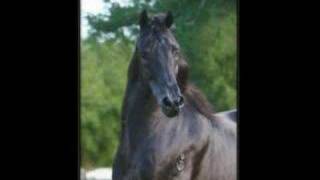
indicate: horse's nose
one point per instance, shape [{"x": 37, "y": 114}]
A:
[{"x": 176, "y": 103}]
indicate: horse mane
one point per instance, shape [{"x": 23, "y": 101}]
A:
[
  {"x": 192, "y": 94},
  {"x": 133, "y": 71}
]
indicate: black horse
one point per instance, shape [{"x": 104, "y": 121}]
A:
[{"x": 169, "y": 131}]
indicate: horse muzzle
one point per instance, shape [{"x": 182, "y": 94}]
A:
[{"x": 172, "y": 107}]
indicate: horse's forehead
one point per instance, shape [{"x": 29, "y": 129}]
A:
[
  {"x": 155, "y": 37},
  {"x": 158, "y": 19},
  {"x": 162, "y": 38}
]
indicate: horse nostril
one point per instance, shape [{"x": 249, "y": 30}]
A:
[
  {"x": 179, "y": 102},
  {"x": 166, "y": 102}
]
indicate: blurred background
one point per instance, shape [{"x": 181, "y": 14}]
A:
[{"x": 206, "y": 31}]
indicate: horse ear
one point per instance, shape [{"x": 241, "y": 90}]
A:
[
  {"x": 143, "y": 21},
  {"x": 169, "y": 19}
]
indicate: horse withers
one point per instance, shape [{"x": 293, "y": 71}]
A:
[{"x": 230, "y": 115}]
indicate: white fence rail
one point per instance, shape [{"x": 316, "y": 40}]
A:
[{"x": 97, "y": 174}]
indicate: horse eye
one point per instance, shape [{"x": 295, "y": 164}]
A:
[{"x": 175, "y": 50}]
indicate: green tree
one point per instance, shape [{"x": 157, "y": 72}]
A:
[{"x": 103, "y": 69}]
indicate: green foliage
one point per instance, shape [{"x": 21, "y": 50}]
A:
[
  {"x": 206, "y": 32},
  {"x": 103, "y": 72},
  {"x": 212, "y": 57}
]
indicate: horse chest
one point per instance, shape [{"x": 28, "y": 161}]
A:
[
  {"x": 162, "y": 148},
  {"x": 153, "y": 164},
  {"x": 159, "y": 157}
]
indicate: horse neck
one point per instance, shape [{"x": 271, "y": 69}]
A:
[
  {"x": 138, "y": 96},
  {"x": 138, "y": 107}
]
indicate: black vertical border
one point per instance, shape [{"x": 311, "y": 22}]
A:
[{"x": 79, "y": 90}]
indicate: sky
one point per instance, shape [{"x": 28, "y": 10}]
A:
[
  {"x": 95, "y": 7},
  {"x": 92, "y": 7}
]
